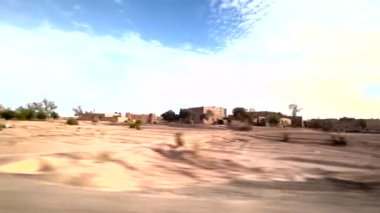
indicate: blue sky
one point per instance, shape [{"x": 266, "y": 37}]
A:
[{"x": 150, "y": 56}]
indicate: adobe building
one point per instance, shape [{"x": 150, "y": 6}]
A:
[
  {"x": 260, "y": 118},
  {"x": 372, "y": 125},
  {"x": 145, "y": 118},
  {"x": 345, "y": 124},
  {"x": 213, "y": 114},
  {"x": 88, "y": 116}
]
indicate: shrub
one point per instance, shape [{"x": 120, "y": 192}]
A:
[
  {"x": 179, "y": 140},
  {"x": 25, "y": 114},
  {"x": 72, "y": 121},
  {"x": 338, "y": 140},
  {"x": 136, "y": 125},
  {"x": 274, "y": 120},
  {"x": 245, "y": 127},
  {"x": 132, "y": 125},
  {"x": 240, "y": 126},
  {"x": 285, "y": 137},
  {"x": 45, "y": 166},
  {"x": 8, "y": 114},
  {"x": 41, "y": 115},
  {"x": 54, "y": 115},
  {"x": 95, "y": 120},
  {"x": 2, "y": 126}
]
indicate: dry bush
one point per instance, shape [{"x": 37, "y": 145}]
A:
[
  {"x": 179, "y": 140},
  {"x": 95, "y": 121},
  {"x": 245, "y": 127},
  {"x": 285, "y": 137},
  {"x": 45, "y": 166},
  {"x": 240, "y": 126},
  {"x": 80, "y": 180},
  {"x": 2, "y": 126},
  {"x": 72, "y": 121},
  {"x": 136, "y": 125},
  {"x": 338, "y": 140},
  {"x": 104, "y": 156}
]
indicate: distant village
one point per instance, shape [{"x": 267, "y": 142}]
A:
[{"x": 212, "y": 115}]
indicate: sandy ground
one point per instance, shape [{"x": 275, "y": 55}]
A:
[{"x": 107, "y": 158}]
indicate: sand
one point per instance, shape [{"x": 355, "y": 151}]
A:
[{"x": 116, "y": 158}]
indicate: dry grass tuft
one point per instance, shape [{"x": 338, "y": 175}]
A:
[
  {"x": 179, "y": 141},
  {"x": 104, "y": 156},
  {"x": 45, "y": 166},
  {"x": 285, "y": 137},
  {"x": 338, "y": 140},
  {"x": 240, "y": 126}
]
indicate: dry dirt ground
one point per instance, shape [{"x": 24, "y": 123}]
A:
[{"x": 215, "y": 163}]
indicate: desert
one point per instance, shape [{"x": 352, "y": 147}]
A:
[{"x": 107, "y": 158}]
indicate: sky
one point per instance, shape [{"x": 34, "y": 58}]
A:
[{"x": 144, "y": 56}]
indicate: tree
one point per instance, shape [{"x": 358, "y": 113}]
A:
[
  {"x": 37, "y": 106},
  {"x": 240, "y": 113},
  {"x": 48, "y": 106},
  {"x": 274, "y": 119},
  {"x": 169, "y": 116},
  {"x": 78, "y": 111},
  {"x": 8, "y": 114},
  {"x": 45, "y": 106},
  {"x": 41, "y": 115},
  {"x": 294, "y": 108},
  {"x": 54, "y": 115}
]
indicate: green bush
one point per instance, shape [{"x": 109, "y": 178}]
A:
[
  {"x": 8, "y": 114},
  {"x": 41, "y": 115},
  {"x": 72, "y": 121},
  {"x": 54, "y": 115},
  {"x": 25, "y": 114}
]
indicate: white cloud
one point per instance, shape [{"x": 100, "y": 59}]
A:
[
  {"x": 119, "y": 1},
  {"x": 234, "y": 19}
]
